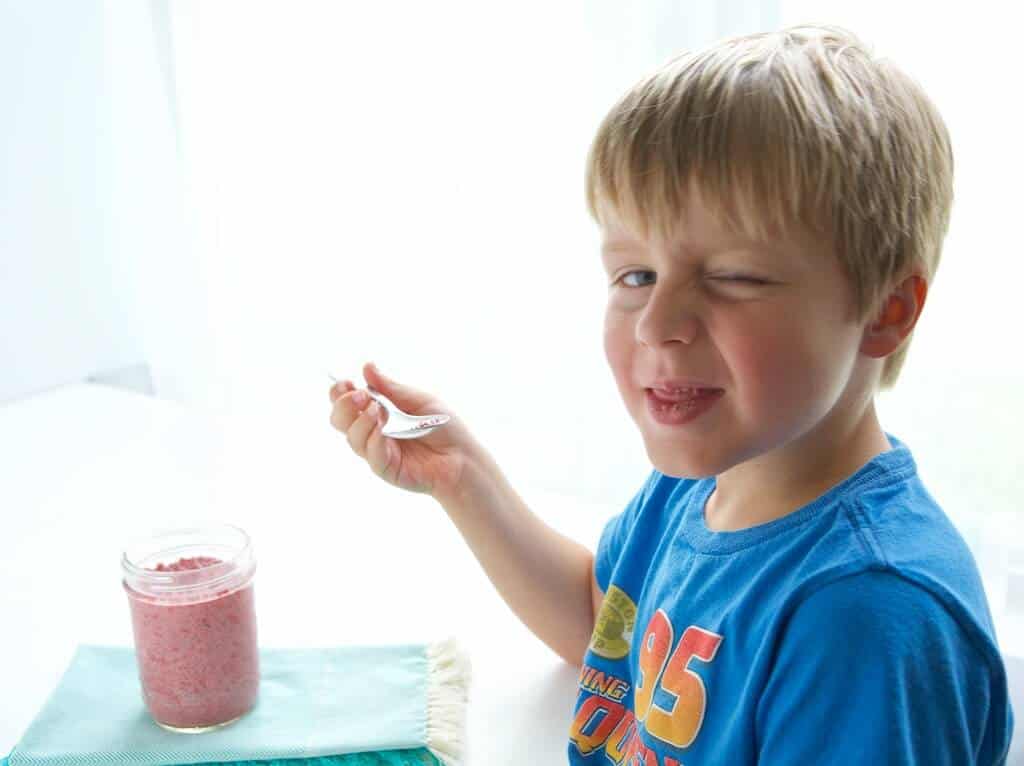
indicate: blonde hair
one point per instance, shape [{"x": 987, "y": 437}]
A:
[{"x": 802, "y": 127}]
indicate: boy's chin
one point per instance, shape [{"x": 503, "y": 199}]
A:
[
  {"x": 680, "y": 467},
  {"x": 675, "y": 473}
]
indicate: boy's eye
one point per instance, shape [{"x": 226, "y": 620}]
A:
[
  {"x": 624, "y": 278},
  {"x": 739, "y": 278},
  {"x": 736, "y": 278}
]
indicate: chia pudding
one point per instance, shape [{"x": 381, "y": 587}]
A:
[{"x": 194, "y": 622}]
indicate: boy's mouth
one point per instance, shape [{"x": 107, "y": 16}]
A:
[
  {"x": 677, "y": 394},
  {"x": 679, "y": 406}
]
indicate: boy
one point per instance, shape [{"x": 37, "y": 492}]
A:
[{"x": 782, "y": 589}]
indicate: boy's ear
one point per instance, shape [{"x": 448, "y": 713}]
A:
[{"x": 897, "y": 318}]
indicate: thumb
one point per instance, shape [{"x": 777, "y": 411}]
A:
[{"x": 405, "y": 397}]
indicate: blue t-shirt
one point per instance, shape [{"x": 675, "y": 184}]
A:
[{"x": 854, "y": 630}]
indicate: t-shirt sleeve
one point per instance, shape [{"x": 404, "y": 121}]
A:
[
  {"x": 873, "y": 669},
  {"x": 613, "y": 538}
]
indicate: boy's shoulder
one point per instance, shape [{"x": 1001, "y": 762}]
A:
[
  {"x": 881, "y": 519},
  {"x": 891, "y": 523}
]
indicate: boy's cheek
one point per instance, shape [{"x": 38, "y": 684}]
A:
[
  {"x": 777, "y": 377},
  {"x": 616, "y": 325},
  {"x": 619, "y": 352}
]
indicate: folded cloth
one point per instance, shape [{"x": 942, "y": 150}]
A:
[{"x": 398, "y": 705}]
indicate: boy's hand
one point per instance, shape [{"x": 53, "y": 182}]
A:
[{"x": 434, "y": 464}]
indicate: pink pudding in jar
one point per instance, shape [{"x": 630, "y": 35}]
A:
[{"x": 194, "y": 621}]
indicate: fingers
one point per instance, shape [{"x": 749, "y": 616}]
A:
[
  {"x": 360, "y": 419},
  {"x": 340, "y": 388},
  {"x": 348, "y": 406},
  {"x": 379, "y": 449},
  {"x": 370, "y": 368},
  {"x": 359, "y": 432},
  {"x": 405, "y": 397}
]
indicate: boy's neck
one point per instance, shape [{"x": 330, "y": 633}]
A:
[{"x": 781, "y": 482}]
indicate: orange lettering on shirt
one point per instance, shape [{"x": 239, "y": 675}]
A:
[
  {"x": 607, "y": 715},
  {"x": 620, "y": 736}
]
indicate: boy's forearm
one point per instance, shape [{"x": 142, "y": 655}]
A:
[{"x": 542, "y": 575}]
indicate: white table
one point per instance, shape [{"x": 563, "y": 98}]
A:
[{"x": 343, "y": 557}]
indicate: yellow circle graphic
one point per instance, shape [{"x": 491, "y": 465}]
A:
[{"x": 613, "y": 629}]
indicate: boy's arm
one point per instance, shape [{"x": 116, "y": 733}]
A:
[
  {"x": 596, "y": 594},
  {"x": 872, "y": 668},
  {"x": 544, "y": 577}
]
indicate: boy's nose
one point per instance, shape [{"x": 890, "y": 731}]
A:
[{"x": 657, "y": 327}]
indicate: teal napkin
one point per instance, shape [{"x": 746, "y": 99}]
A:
[{"x": 344, "y": 706}]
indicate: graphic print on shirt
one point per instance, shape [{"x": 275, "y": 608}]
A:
[
  {"x": 605, "y": 722},
  {"x": 613, "y": 629}
]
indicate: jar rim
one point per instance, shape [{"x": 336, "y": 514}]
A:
[{"x": 163, "y": 582}]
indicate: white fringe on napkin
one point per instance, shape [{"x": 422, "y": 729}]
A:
[{"x": 448, "y": 673}]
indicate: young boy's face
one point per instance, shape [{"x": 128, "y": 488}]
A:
[{"x": 771, "y": 326}]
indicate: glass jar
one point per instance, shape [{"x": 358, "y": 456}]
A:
[{"x": 190, "y": 592}]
